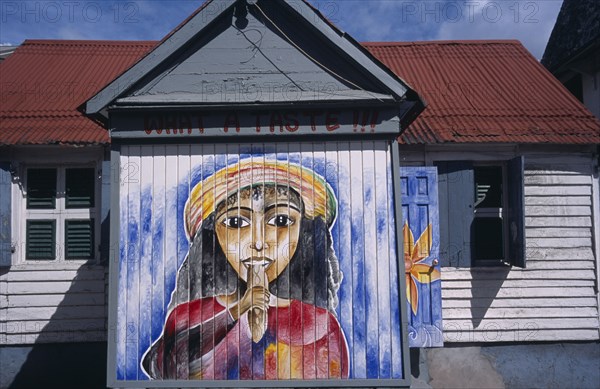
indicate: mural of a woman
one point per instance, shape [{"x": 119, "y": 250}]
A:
[{"x": 256, "y": 296}]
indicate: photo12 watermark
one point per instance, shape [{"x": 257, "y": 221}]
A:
[
  {"x": 69, "y": 11},
  {"x": 469, "y": 11}
]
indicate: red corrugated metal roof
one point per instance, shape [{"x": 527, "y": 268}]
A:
[
  {"x": 477, "y": 91},
  {"x": 486, "y": 91},
  {"x": 44, "y": 82}
]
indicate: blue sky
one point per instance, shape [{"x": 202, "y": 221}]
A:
[{"x": 530, "y": 22}]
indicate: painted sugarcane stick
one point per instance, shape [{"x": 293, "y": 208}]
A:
[{"x": 257, "y": 317}]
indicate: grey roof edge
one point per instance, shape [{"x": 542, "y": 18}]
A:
[
  {"x": 357, "y": 52},
  {"x": 274, "y": 98},
  {"x": 96, "y": 106},
  {"x": 155, "y": 57}
]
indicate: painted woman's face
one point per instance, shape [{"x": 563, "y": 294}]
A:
[{"x": 259, "y": 227}]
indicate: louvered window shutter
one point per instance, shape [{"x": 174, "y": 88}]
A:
[
  {"x": 41, "y": 188},
  {"x": 516, "y": 212},
  {"x": 457, "y": 198},
  {"x": 80, "y": 188},
  {"x": 79, "y": 239},
  {"x": 41, "y": 239}
]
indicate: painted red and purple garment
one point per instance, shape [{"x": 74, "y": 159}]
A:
[{"x": 202, "y": 341}]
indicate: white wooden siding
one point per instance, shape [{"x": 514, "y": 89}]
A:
[
  {"x": 554, "y": 299},
  {"x": 49, "y": 303}
]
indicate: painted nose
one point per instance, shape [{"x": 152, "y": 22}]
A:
[{"x": 259, "y": 243}]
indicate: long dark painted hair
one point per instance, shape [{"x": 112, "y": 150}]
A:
[{"x": 312, "y": 276}]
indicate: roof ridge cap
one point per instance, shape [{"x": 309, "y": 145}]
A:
[
  {"x": 87, "y": 42},
  {"x": 445, "y": 42}
]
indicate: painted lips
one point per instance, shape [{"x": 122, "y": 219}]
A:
[{"x": 257, "y": 261}]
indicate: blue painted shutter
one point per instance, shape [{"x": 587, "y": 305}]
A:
[
  {"x": 457, "y": 198},
  {"x": 516, "y": 212},
  {"x": 420, "y": 215},
  {"x": 5, "y": 211}
]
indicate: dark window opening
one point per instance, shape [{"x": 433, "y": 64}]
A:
[
  {"x": 41, "y": 188},
  {"x": 488, "y": 239},
  {"x": 478, "y": 203},
  {"x": 488, "y": 187},
  {"x": 575, "y": 86},
  {"x": 79, "y": 188}
]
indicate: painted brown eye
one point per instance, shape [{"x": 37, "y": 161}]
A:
[
  {"x": 281, "y": 221},
  {"x": 236, "y": 222}
]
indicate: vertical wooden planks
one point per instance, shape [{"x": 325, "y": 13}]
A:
[
  {"x": 421, "y": 222},
  {"x": 370, "y": 259},
  {"x": 158, "y": 190},
  {"x": 384, "y": 257},
  {"x": 362, "y": 237},
  {"x": 132, "y": 226},
  {"x": 146, "y": 238}
]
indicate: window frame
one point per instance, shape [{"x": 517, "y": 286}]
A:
[
  {"x": 503, "y": 212},
  {"x": 60, "y": 213},
  {"x": 457, "y": 249}
]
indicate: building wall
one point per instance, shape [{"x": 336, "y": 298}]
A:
[
  {"x": 72, "y": 365},
  {"x": 540, "y": 365},
  {"x": 555, "y": 297},
  {"x": 591, "y": 92},
  {"x": 51, "y": 301},
  {"x": 49, "y": 304}
]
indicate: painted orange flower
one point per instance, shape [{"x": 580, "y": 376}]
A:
[{"x": 416, "y": 271}]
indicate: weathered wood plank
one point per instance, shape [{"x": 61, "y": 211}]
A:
[
  {"x": 559, "y": 243},
  {"x": 517, "y": 293},
  {"x": 535, "y": 283},
  {"x": 47, "y": 313},
  {"x": 56, "y": 337},
  {"x": 527, "y": 274},
  {"x": 520, "y": 313},
  {"x": 61, "y": 275},
  {"x": 552, "y": 232},
  {"x": 558, "y": 210},
  {"x": 558, "y": 179},
  {"x": 558, "y": 200},
  {"x": 55, "y": 287},
  {"x": 516, "y": 334},
  {"x": 545, "y": 264},
  {"x": 550, "y": 254},
  {"x": 566, "y": 162},
  {"x": 50, "y": 266},
  {"x": 573, "y": 301},
  {"x": 532, "y": 264},
  {"x": 551, "y": 170},
  {"x": 55, "y": 300},
  {"x": 37, "y": 326},
  {"x": 576, "y": 221},
  {"x": 531, "y": 190},
  {"x": 505, "y": 324}
]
